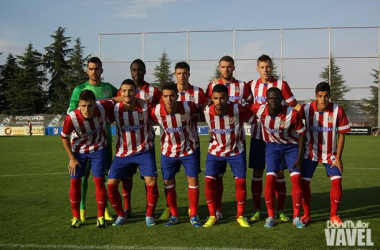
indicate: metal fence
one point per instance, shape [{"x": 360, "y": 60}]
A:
[{"x": 300, "y": 54}]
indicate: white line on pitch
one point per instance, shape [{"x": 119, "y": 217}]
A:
[
  {"x": 112, "y": 247},
  {"x": 19, "y": 175}
]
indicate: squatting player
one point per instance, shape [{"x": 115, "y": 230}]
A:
[
  {"x": 178, "y": 147},
  {"x": 102, "y": 91},
  {"x": 238, "y": 91},
  {"x": 88, "y": 143},
  {"x": 257, "y": 148},
  {"x": 134, "y": 145},
  {"x": 190, "y": 93},
  {"x": 284, "y": 134},
  {"x": 225, "y": 120},
  {"x": 151, "y": 95},
  {"x": 326, "y": 124}
]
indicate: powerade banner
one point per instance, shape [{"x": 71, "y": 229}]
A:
[
  {"x": 46, "y": 120},
  {"x": 360, "y": 131}
]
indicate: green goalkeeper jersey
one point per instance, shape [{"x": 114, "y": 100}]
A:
[{"x": 103, "y": 91}]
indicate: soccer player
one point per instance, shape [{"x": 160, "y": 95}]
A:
[
  {"x": 225, "y": 120},
  {"x": 151, "y": 95},
  {"x": 238, "y": 91},
  {"x": 284, "y": 134},
  {"x": 257, "y": 148},
  {"x": 102, "y": 91},
  {"x": 88, "y": 143},
  {"x": 190, "y": 93},
  {"x": 326, "y": 124},
  {"x": 178, "y": 147},
  {"x": 134, "y": 146}
]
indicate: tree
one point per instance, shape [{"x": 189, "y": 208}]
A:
[
  {"x": 338, "y": 88},
  {"x": 77, "y": 73},
  {"x": 57, "y": 65},
  {"x": 8, "y": 76},
  {"x": 162, "y": 71},
  {"x": 371, "y": 105},
  {"x": 216, "y": 74},
  {"x": 25, "y": 94}
]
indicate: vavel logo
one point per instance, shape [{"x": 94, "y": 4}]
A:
[{"x": 348, "y": 234}]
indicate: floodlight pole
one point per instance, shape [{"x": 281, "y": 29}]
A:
[
  {"x": 143, "y": 46},
  {"x": 188, "y": 47},
  {"x": 100, "y": 46},
  {"x": 282, "y": 54},
  {"x": 330, "y": 56}
]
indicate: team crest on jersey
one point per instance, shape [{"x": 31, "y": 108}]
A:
[
  {"x": 282, "y": 124},
  {"x": 330, "y": 119},
  {"x": 237, "y": 89},
  {"x": 191, "y": 98},
  {"x": 140, "y": 116},
  {"x": 232, "y": 120},
  {"x": 183, "y": 118},
  {"x": 106, "y": 92},
  {"x": 146, "y": 96}
]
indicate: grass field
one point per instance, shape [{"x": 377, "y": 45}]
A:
[{"x": 34, "y": 186}]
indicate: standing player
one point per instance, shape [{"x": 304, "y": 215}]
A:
[
  {"x": 151, "y": 95},
  {"x": 284, "y": 134},
  {"x": 102, "y": 91},
  {"x": 225, "y": 120},
  {"x": 238, "y": 91},
  {"x": 257, "y": 148},
  {"x": 326, "y": 125},
  {"x": 88, "y": 143},
  {"x": 190, "y": 93},
  {"x": 134, "y": 146},
  {"x": 178, "y": 147},
  {"x": 30, "y": 126}
]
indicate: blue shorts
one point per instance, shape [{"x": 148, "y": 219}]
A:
[
  {"x": 123, "y": 167},
  {"x": 238, "y": 163},
  {"x": 257, "y": 154},
  {"x": 171, "y": 165},
  {"x": 98, "y": 162},
  {"x": 277, "y": 155},
  {"x": 309, "y": 167}
]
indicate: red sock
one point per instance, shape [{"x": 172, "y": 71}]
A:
[
  {"x": 306, "y": 196},
  {"x": 127, "y": 185},
  {"x": 241, "y": 195},
  {"x": 335, "y": 195},
  {"x": 296, "y": 194},
  {"x": 280, "y": 193},
  {"x": 171, "y": 199},
  {"x": 219, "y": 188},
  {"x": 193, "y": 194},
  {"x": 115, "y": 199},
  {"x": 151, "y": 199},
  {"x": 270, "y": 185},
  {"x": 257, "y": 189},
  {"x": 75, "y": 196},
  {"x": 210, "y": 187},
  {"x": 101, "y": 195}
]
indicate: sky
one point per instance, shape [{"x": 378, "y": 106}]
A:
[{"x": 23, "y": 22}]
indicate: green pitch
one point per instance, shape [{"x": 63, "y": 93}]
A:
[{"x": 35, "y": 209}]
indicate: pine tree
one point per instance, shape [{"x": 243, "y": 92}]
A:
[
  {"x": 26, "y": 95},
  {"x": 216, "y": 74},
  {"x": 371, "y": 105},
  {"x": 162, "y": 71},
  {"x": 338, "y": 88},
  {"x": 8, "y": 77},
  {"x": 57, "y": 65},
  {"x": 77, "y": 72}
]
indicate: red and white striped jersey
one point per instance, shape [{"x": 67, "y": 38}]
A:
[
  {"x": 133, "y": 129},
  {"x": 227, "y": 134},
  {"x": 176, "y": 137},
  {"x": 259, "y": 91},
  {"x": 90, "y": 135},
  {"x": 193, "y": 94},
  {"x": 148, "y": 93},
  {"x": 196, "y": 95},
  {"x": 283, "y": 128},
  {"x": 322, "y": 131},
  {"x": 237, "y": 91}
]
